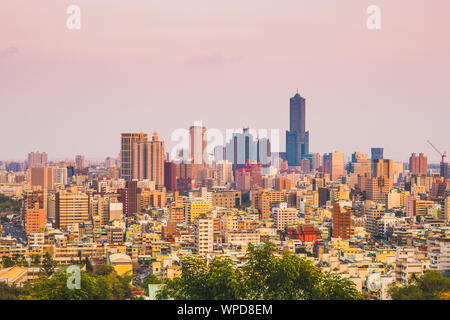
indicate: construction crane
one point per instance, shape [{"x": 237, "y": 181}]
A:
[{"x": 443, "y": 155}]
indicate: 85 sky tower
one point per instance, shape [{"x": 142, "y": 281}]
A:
[{"x": 297, "y": 139}]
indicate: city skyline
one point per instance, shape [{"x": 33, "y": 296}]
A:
[{"x": 363, "y": 88}]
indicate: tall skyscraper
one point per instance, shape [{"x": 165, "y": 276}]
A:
[
  {"x": 131, "y": 155},
  {"x": 37, "y": 159},
  {"x": 336, "y": 165},
  {"x": 155, "y": 161},
  {"x": 197, "y": 144},
  {"x": 142, "y": 159},
  {"x": 377, "y": 153},
  {"x": 418, "y": 164},
  {"x": 41, "y": 177},
  {"x": 80, "y": 162},
  {"x": 297, "y": 139}
]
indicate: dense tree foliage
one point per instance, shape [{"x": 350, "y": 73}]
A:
[
  {"x": 9, "y": 204},
  {"x": 96, "y": 286},
  {"x": 265, "y": 276},
  {"x": 432, "y": 285}
]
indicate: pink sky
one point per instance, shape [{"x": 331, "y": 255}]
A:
[{"x": 161, "y": 65}]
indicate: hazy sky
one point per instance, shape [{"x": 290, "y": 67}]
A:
[{"x": 145, "y": 65}]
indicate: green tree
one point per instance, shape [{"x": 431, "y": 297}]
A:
[
  {"x": 19, "y": 260},
  {"x": 7, "y": 262},
  {"x": 92, "y": 287},
  {"x": 265, "y": 276},
  {"x": 48, "y": 265},
  {"x": 432, "y": 285}
]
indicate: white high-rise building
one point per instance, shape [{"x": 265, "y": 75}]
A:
[
  {"x": 203, "y": 235},
  {"x": 60, "y": 176}
]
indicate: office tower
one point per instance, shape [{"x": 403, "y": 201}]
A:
[
  {"x": 204, "y": 235},
  {"x": 142, "y": 159},
  {"x": 132, "y": 156},
  {"x": 37, "y": 159},
  {"x": 197, "y": 144},
  {"x": 70, "y": 171},
  {"x": 223, "y": 172},
  {"x": 60, "y": 176},
  {"x": 382, "y": 168},
  {"x": 336, "y": 165},
  {"x": 41, "y": 177},
  {"x": 361, "y": 164},
  {"x": 284, "y": 216},
  {"x": 155, "y": 161},
  {"x": 72, "y": 208},
  {"x": 263, "y": 153},
  {"x": 317, "y": 160},
  {"x": 341, "y": 223},
  {"x": 377, "y": 153},
  {"x": 241, "y": 149},
  {"x": 418, "y": 165},
  {"x": 80, "y": 162},
  {"x": 297, "y": 139},
  {"x": 219, "y": 154},
  {"x": 170, "y": 176}
]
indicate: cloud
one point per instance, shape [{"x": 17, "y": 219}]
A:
[
  {"x": 210, "y": 60},
  {"x": 6, "y": 53}
]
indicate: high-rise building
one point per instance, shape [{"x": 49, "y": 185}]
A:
[
  {"x": 341, "y": 223},
  {"x": 197, "y": 144},
  {"x": 297, "y": 139},
  {"x": 41, "y": 177},
  {"x": 336, "y": 165},
  {"x": 60, "y": 176},
  {"x": 382, "y": 168},
  {"x": 72, "y": 207},
  {"x": 142, "y": 159},
  {"x": 80, "y": 162},
  {"x": 35, "y": 219},
  {"x": 37, "y": 159},
  {"x": 170, "y": 176},
  {"x": 444, "y": 170},
  {"x": 132, "y": 156},
  {"x": 203, "y": 235},
  {"x": 418, "y": 164},
  {"x": 155, "y": 161},
  {"x": 377, "y": 153}
]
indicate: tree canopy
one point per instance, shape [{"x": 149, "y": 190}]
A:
[
  {"x": 265, "y": 276},
  {"x": 432, "y": 285}
]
